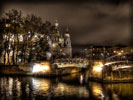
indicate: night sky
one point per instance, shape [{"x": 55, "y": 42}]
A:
[{"x": 96, "y": 23}]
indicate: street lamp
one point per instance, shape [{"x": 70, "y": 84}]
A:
[{"x": 8, "y": 25}]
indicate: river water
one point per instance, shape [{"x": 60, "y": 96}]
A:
[{"x": 72, "y": 87}]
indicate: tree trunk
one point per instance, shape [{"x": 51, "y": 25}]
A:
[
  {"x": 8, "y": 56},
  {"x": 13, "y": 57},
  {"x": 5, "y": 57}
]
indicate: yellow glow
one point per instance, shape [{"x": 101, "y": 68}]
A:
[
  {"x": 122, "y": 51},
  {"x": 119, "y": 53},
  {"x": 74, "y": 71},
  {"x": 41, "y": 85},
  {"x": 40, "y": 68},
  {"x": 97, "y": 90},
  {"x": 8, "y": 25},
  {"x": 54, "y": 45},
  {"x": 98, "y": 67}
]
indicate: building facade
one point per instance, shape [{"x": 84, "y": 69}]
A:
[{"x": 60, "y": 44}]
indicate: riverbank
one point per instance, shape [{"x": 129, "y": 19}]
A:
[{"x": 28, "y": 70}]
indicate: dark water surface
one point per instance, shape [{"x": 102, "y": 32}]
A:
[{"x": 71, "y": 87}]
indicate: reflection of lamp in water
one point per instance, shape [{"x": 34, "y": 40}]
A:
[
  {"x": 81, "y": 79},
  {"x": 41, "y": 85},
  {"x": 97, "y": 91}
]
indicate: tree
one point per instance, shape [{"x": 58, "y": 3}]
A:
[
  {"x": 24, "y": 37},
  {"x": 15, "y": 20},
  {"x": 2, "y": 23}
]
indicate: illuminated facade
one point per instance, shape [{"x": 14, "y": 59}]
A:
[{"x": 60, "y": 44}]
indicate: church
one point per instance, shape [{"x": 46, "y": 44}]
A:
[{"x": 60, "y": 44}]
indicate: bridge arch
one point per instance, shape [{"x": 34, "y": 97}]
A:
[{"x": 120, "y": 55}]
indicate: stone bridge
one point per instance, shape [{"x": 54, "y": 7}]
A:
[
  {"x": 121, "y": 56},
  {"x": 124, "y": 58},
  {"x": 116, "y": 68},
  {"x": 116, "y": 62},
  {"x": 71, "y": 62}
]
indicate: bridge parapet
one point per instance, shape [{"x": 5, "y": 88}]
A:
[
  {"x": 71, "y": 62},
  {"x": 121, "y": 56}
]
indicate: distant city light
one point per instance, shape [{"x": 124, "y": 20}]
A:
[
  {"x": 122, "y": 51},
  {"x": 12, "y": 36},
  {"x": 50, "y": 42},
  {"x": 42, "y": 35},
  {"x": 119, "y": 53},
  {"x": 8, "y": 25},
  {"x": 54, "y": 45},
  {"x": 29, "y": 32},
  {"x": 19, "y": 60},
  {"x": 20, "y": 38},
  {"x": 9, "y": 47},
  {"x": 35, "y": 36}
]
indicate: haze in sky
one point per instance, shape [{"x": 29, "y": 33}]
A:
[{"x": 94, "y": 23}]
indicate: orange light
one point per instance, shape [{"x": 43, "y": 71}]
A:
[{"x": 40, "y": 68}]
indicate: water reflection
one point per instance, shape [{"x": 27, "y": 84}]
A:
[
  {"x": 81, "y": 79},
  {"x": 69, "y": 87},
  {"x": 45, "y": 87},
  {"x": 40, "y": 85},
  {"x": 96, "y": 90}
]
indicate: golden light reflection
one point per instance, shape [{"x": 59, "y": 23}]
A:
[
  {"x": 65, "y": 89},
  {"x": 10, "y": 85},
  {"x": 97, "y": 90},
  {"x": 81, "y": 79},
  {"x": 41, "y": 85},
  {"x": 74, "y": 71}
]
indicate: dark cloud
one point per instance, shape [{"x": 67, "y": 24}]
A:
[{"x": 89, "y": 23}]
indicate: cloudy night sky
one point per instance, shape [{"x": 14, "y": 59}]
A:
[{"x": 97, "y": 23}]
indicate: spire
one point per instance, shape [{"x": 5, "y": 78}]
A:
[
  {"x": 67, "y": 33},
  {"x": 61, "y": 35},
  {"x": 67, "y": 30},
  {"x": 56, "y": 24}
]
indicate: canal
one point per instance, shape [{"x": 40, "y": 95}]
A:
[{"x": 72, "y": 87}]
